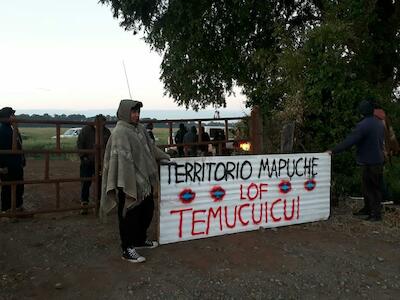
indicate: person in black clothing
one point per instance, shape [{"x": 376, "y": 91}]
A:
[
  {"x": 368, "y": 137},
  {"x": 11, "y": 165},
  {"x": 87, "y": 140},
  {"x": 190, "y": 137},
  {"x": 204, "y": 138},
  {"x": 220, "y": 148},
  {"x": 179, "y": 138},
  {"x": 149, "y": 129}
]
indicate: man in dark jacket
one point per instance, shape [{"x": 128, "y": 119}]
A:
[
  {"x": 179, "y": 138},
  {"x": 368, "y": 137},
  {"x": 87, "y": 140},
  {"x": 190, "y": 137},
  {"x": 11, "y": 165},
  {"x": 204, "y": 138}
]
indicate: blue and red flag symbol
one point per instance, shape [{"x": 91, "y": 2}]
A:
[
  {"x": 187, "y": 196},
  {"x": 285, "y": 186},
  {"x": 310, "y": 184},
  {"x": 217, "y": 193}
]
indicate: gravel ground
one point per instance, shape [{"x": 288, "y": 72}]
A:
[{"x": 71, "y": 256}]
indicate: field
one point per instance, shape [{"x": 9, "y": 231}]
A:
[{"x": 40, "y": 138}]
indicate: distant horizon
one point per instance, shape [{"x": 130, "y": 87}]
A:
[{"x": 145, "y": 113}]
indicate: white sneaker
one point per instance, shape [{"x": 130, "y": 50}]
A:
[{"x": 132, "y": 256}]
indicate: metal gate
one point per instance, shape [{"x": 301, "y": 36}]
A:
[{"x": 98, "y": 151}]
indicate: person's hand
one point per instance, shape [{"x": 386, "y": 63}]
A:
[{"x": 3, "y": 170}]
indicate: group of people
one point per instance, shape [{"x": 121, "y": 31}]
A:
[
  {"x": 183, "y": 136},
  {"x": 129, "y": 175},
  {"x": 368, "y": 136},
  {"x": 130, "y": 168}
]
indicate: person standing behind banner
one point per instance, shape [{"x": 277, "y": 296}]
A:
[
  {"x": 130, "y": 175},
  {"x": 190, "y": 137},
  {"x": 368, "y": 137},
  {"x": 204, "y": 138},
  {"x": 11, "y": 165},
  {"x": 179, "y": 139},
  {"x": 149, "y": 128},
  {"x": 87, "y": 140},
  {"x": 220, "y": 136}
]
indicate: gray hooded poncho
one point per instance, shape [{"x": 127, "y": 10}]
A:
[{"x": 130, "y": 162}]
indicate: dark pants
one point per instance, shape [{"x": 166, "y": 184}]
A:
[
  {"x": 133, "y": 227},
  {"x": 86, "y": 170},
  {"x": 181, "y": 153},
  {"x": 372, "y": 177},
  {"x": 15, "y": 174}
]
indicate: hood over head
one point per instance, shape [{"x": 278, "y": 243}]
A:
[
  {"x": 125, "y": 107},
  {"x": 366, "y": 108}
]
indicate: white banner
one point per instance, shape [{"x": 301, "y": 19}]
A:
[{"x": 209, "y": 196}]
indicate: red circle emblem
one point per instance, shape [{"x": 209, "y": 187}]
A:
[{"x": 187, "y": 196}]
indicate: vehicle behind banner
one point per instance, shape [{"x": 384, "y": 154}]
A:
[{"x": 210, "y": 196}]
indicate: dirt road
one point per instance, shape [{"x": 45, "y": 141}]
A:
[{"x": 77, "y": 257}]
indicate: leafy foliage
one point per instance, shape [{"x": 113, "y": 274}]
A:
[
  {"x": 208, "y": 46},
  {"x": 310, "y": 61}
]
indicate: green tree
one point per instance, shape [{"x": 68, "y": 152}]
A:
[
  {"x": 310, "y": 61},
  {"x": 208, "y": 46},
  {"x": 353, "y": 54}
]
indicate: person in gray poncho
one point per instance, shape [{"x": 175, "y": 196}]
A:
[{"x": 130, "y": 172}]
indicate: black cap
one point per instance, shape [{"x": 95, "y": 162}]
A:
[
  {"x": 101, "y": 117},
  {"x": 6, "y": 112}
]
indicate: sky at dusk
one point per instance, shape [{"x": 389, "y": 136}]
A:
[{"x": 67, "y": 55}]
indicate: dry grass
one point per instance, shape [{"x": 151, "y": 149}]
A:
[{"x": 392, "y": 217}]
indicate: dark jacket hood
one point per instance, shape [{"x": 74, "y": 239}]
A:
[
  {"x": 125, "y": 107},
  {"x": 366, "y": 108}
]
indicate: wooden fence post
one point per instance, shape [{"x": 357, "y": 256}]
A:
[
  {"x": 256, "y": 130},
  {"x": 97, "y": 162}
]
